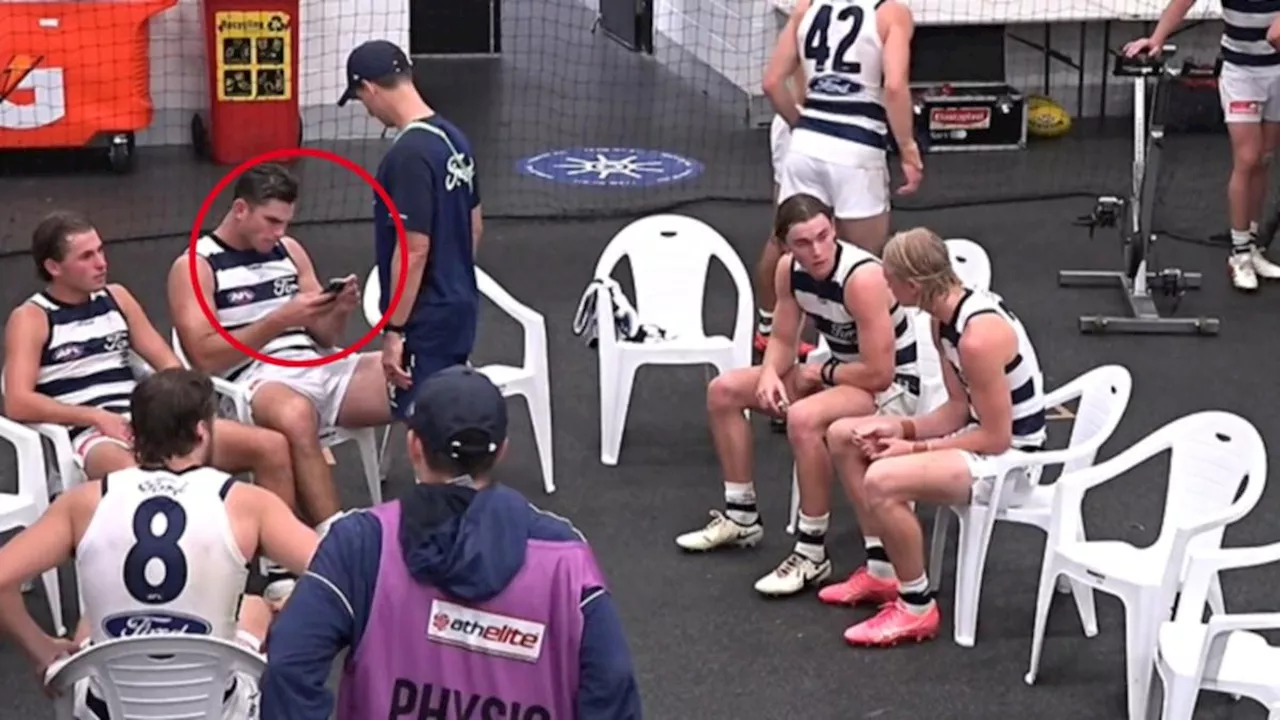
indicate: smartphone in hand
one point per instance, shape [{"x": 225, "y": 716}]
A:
[{"x": 336, "y": 285}]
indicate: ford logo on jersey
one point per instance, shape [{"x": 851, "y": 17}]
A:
[
  {"x": 833, "y": 85},
  {"x": 154, "y": 623}
]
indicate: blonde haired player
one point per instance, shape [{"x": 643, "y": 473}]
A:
[
  {"x": 855, "y": 56},
  {"x": 995, "y": 402},
  {"x": 1249, "y": 86}
]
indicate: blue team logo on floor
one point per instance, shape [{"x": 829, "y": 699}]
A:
[{"x": 611, "y": 167}]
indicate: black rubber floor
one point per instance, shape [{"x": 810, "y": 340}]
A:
[{"x": 706, "y": 645}]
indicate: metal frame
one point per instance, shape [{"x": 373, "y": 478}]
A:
[{"x": 1137, "y": 234}]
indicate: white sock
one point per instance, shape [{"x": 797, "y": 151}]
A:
[
  {"x": 323, "y": 528},
  {"x": 915, "y": 594},
  {"x": 878, "y": 564},
  {"x": 1253, "y": 229},
  {"x": 764, "y": 321},
  {"x": 1241, "y": 241},
  {"x": 811, "y": 534},
  {"x": 740, "y": 503}
]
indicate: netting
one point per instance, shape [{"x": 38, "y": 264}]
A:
[{"x": 566, "y": 122}]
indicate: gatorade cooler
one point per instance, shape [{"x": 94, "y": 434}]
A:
[
  {"x": 253, "y": 80},
  {"x": 75, "y": 75}
]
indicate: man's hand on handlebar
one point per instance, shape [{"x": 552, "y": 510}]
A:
[{"x": 1144, "y": 46}]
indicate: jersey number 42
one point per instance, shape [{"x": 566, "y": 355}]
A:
[
  {"x": 152, "y": 549},
  {"x": 817, "y": 44}
]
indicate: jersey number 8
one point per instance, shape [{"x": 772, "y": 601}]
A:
[
  {"x": 817, "y": 47},
  {"x": 162, "y": 548}
]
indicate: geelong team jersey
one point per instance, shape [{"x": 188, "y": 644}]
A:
[
  {"x": 249, "y": 285},
  {"x": 1244, "y": 33},
  {"x": 843, "y": 119},
  {"x": 85, "y": 360},
  {"x": 823, "y": 300},
  {"x": 159, "y": 556},
  {"x": 1026, "y": 382}
]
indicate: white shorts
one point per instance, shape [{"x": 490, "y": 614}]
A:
[
  {"x": 854, "y": 192},
  {"x": 897, "y": 401},
  {"x": 90, "y": 439},
  {"x": 325, "y": 386},
  {"x": 779, "y": 139},
  {"x": 983, "y": 469},
  {"x": 1248, "y": 95}
]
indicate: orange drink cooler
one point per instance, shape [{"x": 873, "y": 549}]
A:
[
  {"x": 253, "y": 70},
  {"x": 75, "y": 74}
]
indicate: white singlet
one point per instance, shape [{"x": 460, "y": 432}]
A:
[
  {"x": 822, "y": 299},
  {"x": 1026, "y": 382},
  {"x": 159, "y": 556},
  {"x": 843, "y": 120}
]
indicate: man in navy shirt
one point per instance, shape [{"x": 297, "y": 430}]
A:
[{"x": 429, "y": 173}]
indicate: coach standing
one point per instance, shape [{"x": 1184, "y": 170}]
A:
[{"x": 430, "y": 174}]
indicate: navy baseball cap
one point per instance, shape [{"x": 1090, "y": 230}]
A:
[
  {"x": 373, "y": 60},
  {"x": 458, "y": 411}
]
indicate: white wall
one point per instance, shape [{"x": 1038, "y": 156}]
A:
[{"x": 328, "y": 31}]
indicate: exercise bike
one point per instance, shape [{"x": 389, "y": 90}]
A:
[{"x": 1141, "y": 279}]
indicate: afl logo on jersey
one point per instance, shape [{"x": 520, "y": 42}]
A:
[
  {"x": 67, "y": 352},
  {"x": 154, "y": 623},
  {"x": 240, "y": 297}
]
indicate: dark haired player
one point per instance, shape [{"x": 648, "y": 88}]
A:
[
  {"x": 68, "y": 361},
  {"x": 872, "y": 369},
  {"x": 264, "y": 290},
  {"x": 188, "y": 576},
  {"x": 430, "y": 174}
]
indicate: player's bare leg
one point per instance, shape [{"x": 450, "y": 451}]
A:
[
  {"x": 729, "y": 396},
  {"x": 1246, "y": 167},
  {"x": 890, "y": 486},
  {"x": 255, "y": 618},
  {"x": 1258, "y": 186},
  {"x": 807, "y": 422},
  {"x": 239, "y": 448},
  {"x": 281, "y": 408},
  {"x": 870, "y": 234},
  {"x": 365, "y": 403},
  {"x": 107, "y": 457},
  {"x": 874, "y": 582}
]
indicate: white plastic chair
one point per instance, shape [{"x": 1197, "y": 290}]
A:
[
  {"x": 669, "y": 257},
  {"x": 971, "y": 263},
  {"x": 62, "y": 471},
  {"x": 154, "y": 676},
  {"x": 1104, "y": 396},
  {"x": 1226, "y": 654},
  {"x": 364, "y": 438},
  {"x": 974, "y": 268},
  {"x": 1211, "y": 455},
  {"x": 531, "y": 380},
  {"x": 22, "y": 508}
]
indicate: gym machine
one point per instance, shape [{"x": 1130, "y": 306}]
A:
[{"x": 1141, "y": 279}]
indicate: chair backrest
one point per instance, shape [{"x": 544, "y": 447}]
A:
[
  {"x": 1212, "y": 454},
  {"x": 531, "y": 320},
  {"x": 971, "y": 263},
  {"x": 1104, "y": 394},
  {"x": 669, "y": 257},
  {"x": 372, "y": 295},
  {"x": 150, "y": 676}
]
